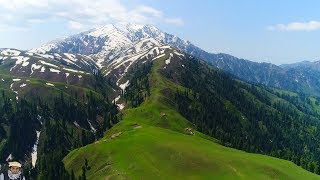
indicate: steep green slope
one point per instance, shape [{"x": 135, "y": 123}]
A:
[{"x": 152, "y": 142}]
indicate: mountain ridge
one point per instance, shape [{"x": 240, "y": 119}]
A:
[
  {"x": 159, "y": 132},
  {"x": 108, "y": 42}
]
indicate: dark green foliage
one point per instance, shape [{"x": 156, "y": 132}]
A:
[
  {"x": 73, "y": 177},
  {"x": 100, "y": 84},
  {"x": 58, "y": 136},
  {"x": 139, "y": 87},
  {"x": 22, "y": 129},
  {"x": 248, "y": 117}
]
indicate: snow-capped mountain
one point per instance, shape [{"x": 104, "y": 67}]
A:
[
  {"x": 112, "y": 41},
  {"x": 115, "y": 47}
]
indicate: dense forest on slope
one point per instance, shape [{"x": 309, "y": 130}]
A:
[
  {"x": 139, "y": 87},
  {"x": 250, "y": 117},
  {"x": 64, "y": 118}
]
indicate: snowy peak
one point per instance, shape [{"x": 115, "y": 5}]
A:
[
  {"x": 124, "y": 28},
  {"x": 109, "y": 40},
  {"x": 117, "y": 47}
]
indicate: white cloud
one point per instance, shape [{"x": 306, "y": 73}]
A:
[
  {"x": 80, "y": 14},
  {"x": 11, "y": 28},
  {"x": 75, "y": 25},
  {"x": 174, "y": 21},
  {"x": 148, "y": 10},
  {"x": 296, "y": 26}
]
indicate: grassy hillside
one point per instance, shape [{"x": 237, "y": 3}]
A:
[{"x": 151, "y": 142}]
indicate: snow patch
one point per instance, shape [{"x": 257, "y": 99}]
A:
[
  {"x": 130, "y": 60},
  {"x": 49, "y": 84},
  {"x": 116, "y": 99},
  {"x": 23, "y": 85},
  {"x": 57, "y": 55},
  {"x": 99, "y": 63},
  {"x": 39, "y": 119},
  {"x": 10, "y": 52},
  {"x": 20, "y": 60},
  {"x": 46, "y": 56},
  {"x": 25, "y": 64},
  {"x": 73, "y": 70},
  {"x": 76, "y": 124},
  {"x": 165, "y": 47},
  {"x": 9, "y": 158},
  {"x": 168, "y": 60},
  {"x": 34, "y": 150},
  {"x": 55, "y": 70},
  {"x": 146, "y": 44},
  {"x": 70, "y": 62},
  {"x": 71, "y": 57},
  {"x": 92, "y": 128},
  {"x": 34, "y": 67},
  {"x": 179, "y": 54},
  {"x": 121, "y": 106},
  {"x": 43, "y": 49},
  {"x": 161, "y": 55},
  {"x": 48, "y": 64},
  {"x": 123, "y": 86},
  {"x": 29, "y": 53},
  {"x": 151, "y": 52},
  {"x": 15, "y": 80},
  {"x": 42, "y": 69}
]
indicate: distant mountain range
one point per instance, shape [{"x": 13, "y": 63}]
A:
[{"x": 116, "y": 42}]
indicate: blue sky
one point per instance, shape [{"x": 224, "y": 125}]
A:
[{"x": 269, "y": 31}]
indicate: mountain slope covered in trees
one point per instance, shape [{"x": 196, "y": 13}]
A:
[
  {"x": 42, "y": 107},
  {"x": 167, "y": 131}
]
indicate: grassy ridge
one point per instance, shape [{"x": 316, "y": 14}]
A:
[
  {"x": 150, "y": 145},
  {"x": 150, "y": 152}
]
